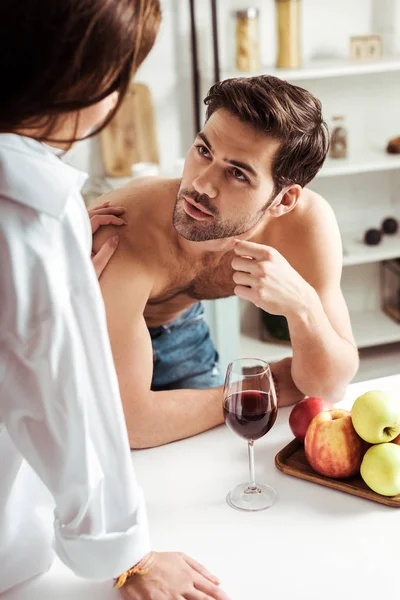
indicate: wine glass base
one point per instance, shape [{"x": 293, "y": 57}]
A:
[{"x": 244, "y": 497}]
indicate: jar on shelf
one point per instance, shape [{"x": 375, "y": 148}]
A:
[
  {"x": 247, "y": 40},
  {"x": 288, "y": 34},
  {"x": 338, "y": 138}
]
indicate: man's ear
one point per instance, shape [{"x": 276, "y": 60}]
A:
[{"x": 285, "y": 201}]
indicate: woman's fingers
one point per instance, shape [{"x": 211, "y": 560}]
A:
[
  {"x": 209, "y": 590},
  {"x": 99, "y": 220},
  {"x": 102, "y": 258},
  {"x": 200, "y": 569},
  {"x": 111, "y": 210}
]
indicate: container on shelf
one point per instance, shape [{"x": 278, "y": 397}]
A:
[
  {"x": 338, "y": 138},
  {"x": 274, "y": 327},
  {"x": 390, "y": 288},
  {"x": 288, "y": 34},
  {"x": 247, "y": 40}
]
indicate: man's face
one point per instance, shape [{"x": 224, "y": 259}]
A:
[{"x": 227, "y": 181}]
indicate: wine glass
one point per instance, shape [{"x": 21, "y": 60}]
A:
[{"x": 250, "y": 410}]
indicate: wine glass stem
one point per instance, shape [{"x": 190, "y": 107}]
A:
[{"x": 251, "y": 464}]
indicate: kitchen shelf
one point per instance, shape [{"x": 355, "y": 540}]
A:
[
  {"x": 370, "y": 328},
  {"x": 269, "y": 351},
  {"x": 365, "y": 162},
  {"x": 355, "y": 252},
  {"x": 323, "y": 68},
  {"x": 373, "y": 328}
]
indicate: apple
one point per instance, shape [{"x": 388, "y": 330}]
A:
[
  {"x": 376, "y": 416},
  {"x": 303, "y": 413},
  {"x": 332, "y": 446},
  {"x": 380, "y": 469},
  {"x": 396, "y": 440}
]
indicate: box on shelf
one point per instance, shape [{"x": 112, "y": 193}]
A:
[{"x": 390, "y": 288}]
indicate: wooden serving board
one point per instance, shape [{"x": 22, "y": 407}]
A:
[
  {"x": 131, "y": 136},
  {"x": 292, "y": 461}
]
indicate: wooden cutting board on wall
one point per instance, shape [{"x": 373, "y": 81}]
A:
[{"x": 131, "y": 136}]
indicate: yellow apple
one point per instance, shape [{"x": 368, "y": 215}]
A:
[
  {"x": 380, "y": 469},
  {"x": 376, "y": 416}
]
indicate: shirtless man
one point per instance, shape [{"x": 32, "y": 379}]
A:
[{"x": 238, "y": 222}]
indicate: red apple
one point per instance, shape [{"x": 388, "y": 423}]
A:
[
  {"x": 332, "y": 446},
  {"x": 396, "y": 440},
  {"x": 303, "y": 413}
]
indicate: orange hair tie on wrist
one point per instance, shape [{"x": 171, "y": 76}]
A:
[{"x": 141, "y": 568}]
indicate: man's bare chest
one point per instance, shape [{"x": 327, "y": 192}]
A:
[{"x": 205, "y": 281}]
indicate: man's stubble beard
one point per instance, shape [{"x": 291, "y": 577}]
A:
[{"x": 202, "y": 231}]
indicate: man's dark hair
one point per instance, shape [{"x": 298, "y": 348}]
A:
[
  {"x": 59, "y": 56},
  {"x": 287, "y": 113}
]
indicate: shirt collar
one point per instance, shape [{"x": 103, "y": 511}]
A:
[{"x": 32, "y": 174}]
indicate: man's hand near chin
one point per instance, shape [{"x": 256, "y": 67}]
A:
[{"x": 105, "y": 215}]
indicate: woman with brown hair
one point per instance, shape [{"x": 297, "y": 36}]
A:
[{"x": 66, "y": 66}]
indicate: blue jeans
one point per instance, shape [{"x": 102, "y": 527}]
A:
[{"x": 184, "y": 356}]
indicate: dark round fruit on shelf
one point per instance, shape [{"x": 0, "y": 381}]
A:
[
  {"x": 390, "y": 225},
  {"x": 372, "y": 237}
]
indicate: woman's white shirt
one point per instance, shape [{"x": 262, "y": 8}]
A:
[{"x": 62, "y": 428}]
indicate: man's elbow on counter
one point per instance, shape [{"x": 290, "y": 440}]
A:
[
  {"x": 141, "y": 423},
  {"x": 142, "y": 436},
  {"x": 332, "y": 383}
]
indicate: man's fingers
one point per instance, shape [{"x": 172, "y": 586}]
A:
[
  {"x": 257, "y": 251},
  {"x": 99, "y": 220},
  {"x": 200, "y": 569},
  {"x": 101, "y": 259},
  {"x": 247, "y": 265},
  {"x": 241, "y": 278},
  {"x": 244, "y": 292},
  {"x": 210, "y": 590}
]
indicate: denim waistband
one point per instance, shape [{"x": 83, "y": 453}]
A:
[{"x": 187, "y": 316}]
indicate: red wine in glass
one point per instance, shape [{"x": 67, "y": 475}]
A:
[
  {"x": 250, "y": 410},
  {"x": 250, "y": 413}
]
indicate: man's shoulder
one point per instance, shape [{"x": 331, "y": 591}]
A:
[
  {"x": 314, "y": 204},
  {"x": 148, "y": 203},
  {"x": 309, "y": 234},
  {"x": 143, "y": 193},
  {"x": 311, "y": 213}
]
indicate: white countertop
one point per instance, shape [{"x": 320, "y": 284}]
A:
[{"x": 313, "y": 544}]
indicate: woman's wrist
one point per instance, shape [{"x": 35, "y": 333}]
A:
[{"x": 141, "y": 568}]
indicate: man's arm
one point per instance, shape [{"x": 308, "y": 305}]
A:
[
  {"x": 153, "y": 418},
  {"x": 307, "y": 292}
]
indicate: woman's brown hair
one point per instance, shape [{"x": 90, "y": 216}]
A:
[
  {"x": 288, "y": 113},
  {"x": 60, "y": 56}
]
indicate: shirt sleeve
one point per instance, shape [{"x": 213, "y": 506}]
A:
[{"x": 61, "y": 405}]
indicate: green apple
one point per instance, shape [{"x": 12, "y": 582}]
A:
[
  {"x": 376, "y": 416},
  {"x": 380, "y": 469}
]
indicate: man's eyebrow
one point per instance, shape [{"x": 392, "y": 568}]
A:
[
  {"x": 234, "y": 163},
  {"x": 205, "y": 140},
  {"x": 244, "y": 166}
]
